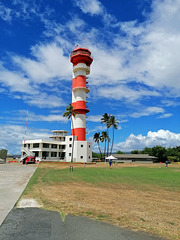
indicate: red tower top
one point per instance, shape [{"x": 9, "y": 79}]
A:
[{"x": 81, "y": 55}]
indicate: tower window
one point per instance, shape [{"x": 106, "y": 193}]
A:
[
  {"x": 81, "y": 157},
  {"x": 82, "y": 145},
  {"x": 70, "y": 145}
]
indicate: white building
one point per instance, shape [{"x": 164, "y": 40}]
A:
[{"x": 58, "y": 148}]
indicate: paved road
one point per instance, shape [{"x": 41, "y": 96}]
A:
[
  {"x": 39, "y": 224},
  {"x": 13, "y": 180}
]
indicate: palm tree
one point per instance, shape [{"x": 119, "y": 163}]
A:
[
  {"x": 113, "y": 122},
  {"x": 104, "y": 138},
  {"x": 69, "y": 113},
  {"x": 97, "y": 138},
  {"x": 105, "y": 119}
]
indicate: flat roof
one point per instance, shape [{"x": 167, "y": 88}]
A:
[
  {"x": 59, "y": 131},
  {"x": 137, "y": 156}
]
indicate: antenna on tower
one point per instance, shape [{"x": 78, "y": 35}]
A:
[
  {"x": 83, "y": 42},
  {"x": 26, "y": 126}
]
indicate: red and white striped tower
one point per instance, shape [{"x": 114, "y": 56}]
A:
[{"x": 81, "y": 60}]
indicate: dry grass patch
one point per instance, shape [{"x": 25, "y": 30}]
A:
[{"x": 151, "y": 208}]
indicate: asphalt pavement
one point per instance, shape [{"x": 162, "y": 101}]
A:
[
  {"x": 13, "y": 180},
  {"x": 39, "y": 224}
]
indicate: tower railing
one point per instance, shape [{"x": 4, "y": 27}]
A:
[{"x": 80, "y": 52}]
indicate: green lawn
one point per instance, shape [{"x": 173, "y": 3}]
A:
[
  {"x": 166, "y": 178},
  {"x": 145, "y": 198}
]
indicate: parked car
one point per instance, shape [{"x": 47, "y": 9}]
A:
[{"x": 28, "y": 160}]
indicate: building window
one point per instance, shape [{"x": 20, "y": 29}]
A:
[
  {"x": 69, "y": 154},
  {"x": 62, "y": 155},
  {"x": 89, "y": 146},
  {"x": 62, "y": 146},
  {"x": 81, "y": 157},
  {"x": 24, "y": 145},
  {"x": 53, "y": 154},
  {"x": 70, "y": 139},
  {"x": 54, "y": 146},
  {"x": 35, "y": 145},
  {"x": 89, "y": 157},
  {"x": 82, "y": 145},
  {"x": 62, "y": 139},
  {"x": 45, "y": 155},
  {"x": 45, "y": 145},
  {"x": 70, "y": 145}
]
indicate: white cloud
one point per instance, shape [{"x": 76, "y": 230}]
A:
[
  {"x": 97, "y": 129},
  {"x": 44, "y": 100},
  {"x": 50, "y": 63},
  {"x": 51, "y": 68},
  {"x": 75, "y": 25},
  {"x": 147, "y": 54},
  {"x": 94, "y": 118},
  {"x": 24, "y": 10},
  {"x": 123, "y": 92},
  {"x": 93, "y": 7},
  {"x": 29, "y": 92},
  {"x": 46, "y": 118},
  {"x": 15, "y": 81},
  {"x": 158, "y": 48},
  {"x": 147, "y": 112},
  {"x": 166, "y": 115},
  {"x": 11, "y": 136},
  {"x": 5, "y": 13},
  {"x": 162, "y": 137}
]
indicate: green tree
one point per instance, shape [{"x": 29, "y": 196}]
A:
[
  {"x": 112, "y": 122},
  {"x": 97, "y": 139},
  {"x": 105, "y": 119},
  {"x": 104, "y": 138},
  {"x": 96, "y": 155},
  {"x": 135, "y": 152},
  {"x": 69, "y": 113},
  {"x": 160, "y": 153},
  {"x": 147, "y": 150},
  {"x": 119, "y": 152}
]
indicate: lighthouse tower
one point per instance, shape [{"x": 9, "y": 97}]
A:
[{"x": 81, "y": 60}]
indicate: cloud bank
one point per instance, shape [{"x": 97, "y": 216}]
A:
[{"x": 163, "y": 138}]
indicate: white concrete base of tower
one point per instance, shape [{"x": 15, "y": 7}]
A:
[{"x": 82, "y": 151}]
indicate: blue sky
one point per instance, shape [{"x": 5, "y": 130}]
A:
[{"x": 135, "y": 74}]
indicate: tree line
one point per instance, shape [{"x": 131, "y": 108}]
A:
[{"x": 162, "y": 153}]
